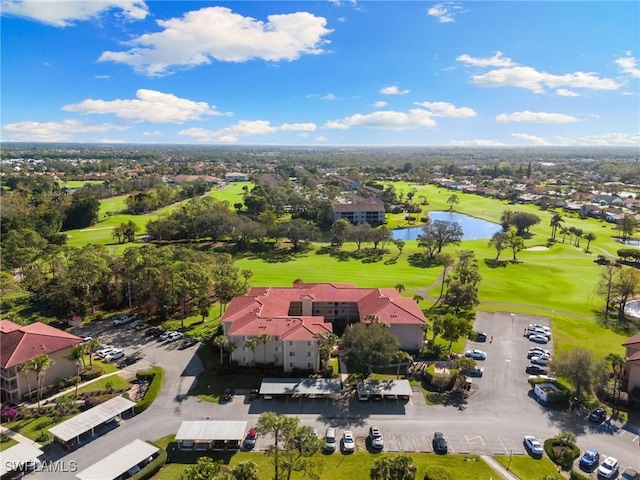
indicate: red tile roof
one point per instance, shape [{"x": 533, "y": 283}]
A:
[
  {"x": 20, "y": 343},
  {"x": 266, "y": 310},
  {"x": 633, "y": 342}
]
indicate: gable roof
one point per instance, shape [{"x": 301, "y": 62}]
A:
[
  {"x": 633, "y": 342},
  {"x": 20, "y": 343},
  {"x": 266, "y": 310}
]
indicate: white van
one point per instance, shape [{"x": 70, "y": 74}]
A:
[{"x": 330, "y": 440}]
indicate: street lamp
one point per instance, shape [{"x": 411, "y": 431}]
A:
[{"x": 510, "y": 455}]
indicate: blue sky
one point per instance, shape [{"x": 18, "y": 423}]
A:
[{"x": 321, "y": 72}]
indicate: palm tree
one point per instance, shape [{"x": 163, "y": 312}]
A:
[
  {"x": 399, "y": 357},
  {"x": 25, "y": 368},
  {"x": 264, "y": 338},
  {"x": 91, "y": 347},
  {"x": 589, "y": 237},
  {"x": 453, "y": 200},
  {"x": 418, "y": 298},
  {"x": 221, "y": 342},
  {"x": 400, "y": 288},
  {"x": 77, "y": 354},
  {"x": 41, "y": 364},
  {"x": 556, "y": 220},
  {"x": 578, "y": 233},
  {"x": 252, "y": 343},
  {"x": 564, "y": 231}
]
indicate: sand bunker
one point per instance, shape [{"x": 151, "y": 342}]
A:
[{"x": 537, "y": 249}]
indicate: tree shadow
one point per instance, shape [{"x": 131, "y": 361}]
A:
[
  {"x": 493, "y": 263},
  {"x": 421, "y": 260},
  {"x": 276, "y": 254}
]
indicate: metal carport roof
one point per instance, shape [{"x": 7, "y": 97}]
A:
[
  {"x": 209, "y": 430},
  {"x": 85, "y": 421},
  {"x": 300, "y": 386},
  {"x": 118, "y": 462},
  {"x": 14, "y": 457},
  {"x": 386, "y": 387}
]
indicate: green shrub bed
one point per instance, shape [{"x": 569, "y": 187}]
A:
[
  {"x": 561, "y": 452},
  {"x": 156, "y": 377}
]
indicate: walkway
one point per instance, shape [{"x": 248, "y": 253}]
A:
[
  {"x": 498, "y": 468},
  {"x": 73, "y": 389},
  {"x": 18, "y": 438}
]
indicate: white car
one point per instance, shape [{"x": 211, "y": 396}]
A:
[
  {"x": 103, "y": 350},
  {"x": 533, "y": 445},
  {"x": 348, "y": 443},
  {"x": 539, "y": 339},
  {"x": 124, "y": 319},
  {"x": 166, "y": 335},
  {"x": 544, "y": 361},
  {"x": 476, "y": 354},
  {"x": 609, "y": 468},
  {"x": 377, "y": 441},
  {"x": 114, "y": 354},
  {"x": 175, "y": 336}
]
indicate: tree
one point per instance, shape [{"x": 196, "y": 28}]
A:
[
  {"x": 589, "y": 237},
  {"x": 370, "y": 344},
  {"x": 399, "y": 357},
  {"x": 393, "y": 468},
  {"x": 555, "y": 222},
  {"x": 40, "y": 364},
  {"x": 340, "y": 232},
  {"x": 464, "y": 365},
  {"x": 252, "y": 343},
  {"x": 452, "y": 201},
  {"x": 204, "y": 469},
  {"x": 400, "y": 287},
  {"x": 436, "y": 472},
  {"x": 264, "y": 339},
  {"x": 625, "y": 286},
  {"x": 455, "y": 327},
  {"x": 299, "y": 446},
  {"x": 564, "y": 231},
  {"x": 399, "y": 245},
  {"x": 523, "y": 221},
  {"x": 360, "y": 233},
  {"x": 605, "y": 286},
  {"x": 82, "y": 213},
  {"x": 76, "y": 354},
  {"x": 500, "y": 241},
  {"x": 299, "y": 231},
  {"x": 245, "y": 471},
  {"x": 25, "y": 368},
  {"x": 280, "y": 427},
  {"x": 221, "y": 342},
  {"x": 580, "y": 368},
  {"x": 91, "y": 347},
  {"x": 462, "y": 282},
  {"x": 617, "y": 370},
  {"x": 326, "y": 344},
  {"x": 438, "y": 234},
  {"x": 516, "y": 243},
  {"x": 627, "y": 225}
]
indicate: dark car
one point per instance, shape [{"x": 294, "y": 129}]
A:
[
  {"x": 439, "y": 443},
  {"x": 187, "y": 342},
  {"x": 130, "y": 359},
  {"x": 481, "y": 337},
  {"x": 536, "y": 369},
  {"x": 598, "y": 415},
  {"x": 250, "y": 439},
  {"x": 227, "y": 395}
]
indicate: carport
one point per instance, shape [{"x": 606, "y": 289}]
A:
[
  {"x": 14, "y": 458},
  {"x": 90, "y": 419},
  {"x": 211, "y": 435},
  {"x": 384, "y": 389},
  {"x": 120, "y": 461},
  {"x": 296, "y": 387}
]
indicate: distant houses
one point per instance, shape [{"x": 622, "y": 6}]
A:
[{"x": 236, "y": 177}]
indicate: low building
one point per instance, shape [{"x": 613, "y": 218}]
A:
[
  {"x": 211, "y": 435},
  {"x": 358, "y": 209},
  {"x": 236, "y": 177},
  {"x": 20, "y": 344},
  {"x": 632, "y": 362},
  {"x": 285, "y": 320}
]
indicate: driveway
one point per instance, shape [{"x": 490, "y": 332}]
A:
[{"x": 495, "y": 419}]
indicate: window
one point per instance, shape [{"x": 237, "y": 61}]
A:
[
  {"x": 277, "y": 338},
  {"x": 277, "y": 349},
  {"x": 292, "y": 343},
  {"x": 292, "y": 354},
  {"x": 309, "y": 343},
  {"x": 309, "y": 365},
  {"x": 291, "y": 365},
  {"x": 244, "y": 349},
  {"x": 244, "y": 338},
  {"x": 310, "y": 354},
  {"x": 244, "y": 359},
  {"x": 276, "y": 359}
]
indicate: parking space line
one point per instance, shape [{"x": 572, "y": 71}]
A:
[
  {"x": 635, "y": 439},
  {"x": 475, "y": 441},
  {"x": 502, "y": 443}
]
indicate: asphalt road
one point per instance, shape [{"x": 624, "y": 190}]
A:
[{"x": 500, "y": 411}]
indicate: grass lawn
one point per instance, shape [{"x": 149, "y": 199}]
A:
[
  {"x": 526, "y": 467},
  {"x": 116, "y": 381},
  {"x": 80, "y": 183},
  {"x": 33, "y": 428},
  {"x": 194, "y": 326},
  {"x": 7, "y": 442},
  {"x": 106, "y": 366},
  {"x": 355, "y": 466}
]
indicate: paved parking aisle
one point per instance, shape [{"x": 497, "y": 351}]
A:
[
  {"x": 406, "y": 443},
  {"x": 423, "y": 443},
  {"x": 392, "y": 442}
]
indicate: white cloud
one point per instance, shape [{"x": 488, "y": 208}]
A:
[
  {"x": 606, "y": 139},
  {"x": 386, "y": 120},
  {"x": 65, "y": 13},
  {"x": 321, "y": 138},
  {"x": 155, "y": 133},
  {"x": 475, "y": 143},
  {"x": 190, "y": 41},
  {"x": 629, "y": 64},
  {"x": 329, "y": 96},
  {"x": 243, "y": 128},
  {"x": 380, "y": 104},
  {"x": 393, "y": 90},
  {"x": 102, "y": 77},
  {"x": 531, "y": 79},
  {"x": 531, "y": 138},
  {"x": 496, "y": 60},
  {"x": 149, "y": 106},
  {"x": 445, "y": 109},
  {"x": 535, "y": 117},
  {"x": 563, "y": 92},
  {"x": 445, "y": 12},
  {"x": 54, "y": 131}
]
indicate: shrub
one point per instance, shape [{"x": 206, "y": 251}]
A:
[
  {"x": 561, "y": 452},
  {"x": 156, "y": 376},
  {"x": 90, "y": 373},
  {"x": 90, "y": 402},
  {"x": 573, "y": 475},
  {"x": 8, "y": 414},
  {"x": 152, "y": 468},
  {"x": 436, "y": 472}
]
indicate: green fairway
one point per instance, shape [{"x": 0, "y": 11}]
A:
[{"x": 80, "y": 183}]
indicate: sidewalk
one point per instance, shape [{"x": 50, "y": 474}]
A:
[
  {"x": 18, "y": 438},
  {"x": 499, "y": 469}
]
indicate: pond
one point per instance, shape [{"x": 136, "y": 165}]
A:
[
  {"x": 472, "y": 228},
  {"x": 632, "y": 309}
]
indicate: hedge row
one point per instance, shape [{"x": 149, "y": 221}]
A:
[
  {"x": 565, "y": 461},
  {"x": 152, "y": 468},
  {"x": 436, "y": 472},
  {"x": 573, "y": 475},
  {"x": 156, "y": 377}
]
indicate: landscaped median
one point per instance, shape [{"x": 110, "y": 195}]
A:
[{"x": 155, "y": 378}]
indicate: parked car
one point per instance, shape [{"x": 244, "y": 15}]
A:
[
  {"x": 330, "y": 440},
  {"x": 544, "y": 361},
  {"x": 124, "y": 319},
  {"x": 103, "y": 350},
  {"x": 165, "y": 336},
  {"x": 187, "y": 342},
  {"x": 153, "y": 332},
  {"x": 539, "y": 351},
  {"x": 86, "y": 339},
  {"x": 348, "y": 442},
  {"x": 250, "y": 439},
  {"x": 476, "y": 354},
  {"x": 173, "y": 336},
  {"x": 227, "y": 395},
  {"x": 440, "y": 443},
  {"x": 534, "y": 326},
  {"x": 481, "y": 337},
  {"x": 476, "y": 371},
  {"x": 609, "y": 468},
  {"x": 113, "y": 355},
  {"x": 533, "y": 446},
  {"x": 539, "y": 339},
  {"x": 589, "y": 460},
  {"x": 135, "y": 324},
  {"x": 533, "y": 369},
  {"x": 598, "y": 415},
  {"x": 377, "y": 440},
  {"x": 130, "y": 359}
]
